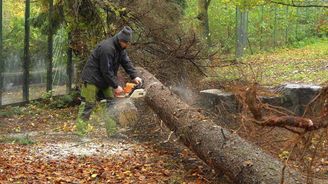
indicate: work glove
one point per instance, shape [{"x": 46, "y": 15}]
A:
[{"x": 137, "y": 80}]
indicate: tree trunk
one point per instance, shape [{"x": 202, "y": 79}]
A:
[
  {"x": 287, "y": 25},
  {"x": 261, "y": 27},
  {"x": 275, "y": 28},
  {"x": 222, "y": 150},
  {"x": 203, "y": 18},
  {"x": 1, "y": 56},
  {"x": 242, "y": 32}
]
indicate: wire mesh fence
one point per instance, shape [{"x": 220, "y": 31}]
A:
[
  {"x": 266, "y": 27},
  {"x": 34, "y": 60},
  {"x": 25, "y": 55}
]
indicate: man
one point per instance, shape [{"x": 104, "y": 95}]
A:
[{"x": 100, "y": 73}]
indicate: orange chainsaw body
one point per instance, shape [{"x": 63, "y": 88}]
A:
[
  {"x": 127, "y": 90},
  {"x": 129, "y": 87}
]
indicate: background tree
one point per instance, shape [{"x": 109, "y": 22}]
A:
[
  {"x": 203, "y": 6},
  {"x": 1, "y": 55}
]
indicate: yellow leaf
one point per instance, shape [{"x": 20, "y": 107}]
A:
[
  {"x": 18, "y": 129},
  {"x": 90, "y": 128},
  {"x": 94, "y": 175}
]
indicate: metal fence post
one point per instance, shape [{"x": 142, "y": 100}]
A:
[
  {"x": 26, "y": 64},
  {"x": 69, "y": 69},
  {"x": 50, "y": 47}
]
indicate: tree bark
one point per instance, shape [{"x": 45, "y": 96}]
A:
[
  {"x": 203, "y": 18},
  {"x": 222, "y": 150},
  {"x": 242, "y": 32},
  {"x": 1, "y": 56}
]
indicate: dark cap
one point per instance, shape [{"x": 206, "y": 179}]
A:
[{"x": 125, "y": 34}]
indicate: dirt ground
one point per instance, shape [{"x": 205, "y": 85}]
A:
[
  {"x": 39, "y": 145},
  {"x": 307, "y": 154}
]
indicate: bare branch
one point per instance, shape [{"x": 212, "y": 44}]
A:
[{"x": 288, "y": 121}]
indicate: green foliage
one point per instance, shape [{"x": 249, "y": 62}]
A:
[
  {"x": 308, "y": 41},
  {"x": 47, "y": 96},
  {"x": 111, "y": 126},
  {"x": 62, "y": 101},
  {"x": 182, "y": 3},
  {"x": 83, "y": 127},
  {"x": 244, "y": 4},
  {"x": 269, "y": 25},
  {"x": 22, "y": 140},
  {"x": 41, "y": 19},
  {"x": 11, "y": 111},
  {"x": 14, "y": 12},
  {"x": 57, "y": 102}
]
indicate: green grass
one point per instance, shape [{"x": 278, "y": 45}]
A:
[
  {"x": 14, "y": 111},
  {"x": 17, "y": 140},
  {"x": 303, "y": 62},
  {"x": 11, "y": 111}
]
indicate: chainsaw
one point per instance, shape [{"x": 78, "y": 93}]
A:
[{"x": 131, "y": 90}]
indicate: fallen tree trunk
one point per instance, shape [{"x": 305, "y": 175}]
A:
[{"x": 218, "y": 147}]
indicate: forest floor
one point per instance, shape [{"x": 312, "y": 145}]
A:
[{"x": 38, "y": 144}]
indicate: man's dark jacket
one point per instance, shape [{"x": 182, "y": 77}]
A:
[{"x": 103, "y": 64}]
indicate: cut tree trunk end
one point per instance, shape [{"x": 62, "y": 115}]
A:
[{"x": 224, "y": 151}]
